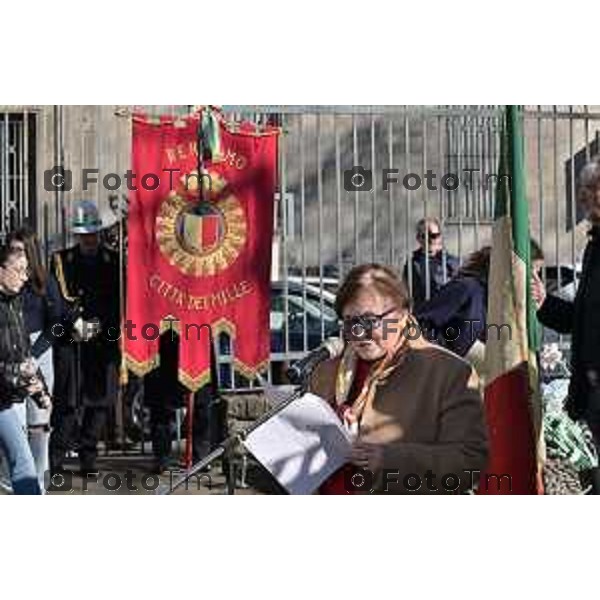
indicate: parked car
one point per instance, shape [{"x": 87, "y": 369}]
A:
[{"x": 302, "y": 316}]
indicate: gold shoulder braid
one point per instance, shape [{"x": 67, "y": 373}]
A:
[{"x": 60, "y": 276}]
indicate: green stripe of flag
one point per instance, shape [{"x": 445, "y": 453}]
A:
[{"x": 511, "y": 201}]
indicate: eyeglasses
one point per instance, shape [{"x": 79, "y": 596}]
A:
[
  {"x": 368, "y": 320},
  {"x": 432, "y": 236}
]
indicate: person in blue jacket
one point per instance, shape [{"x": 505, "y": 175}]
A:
[{"x": 457, "y": 317}]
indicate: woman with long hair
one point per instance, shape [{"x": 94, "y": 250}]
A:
[
  {"x": 42, "y": 310},
  {"x": 19, "y": 378}
]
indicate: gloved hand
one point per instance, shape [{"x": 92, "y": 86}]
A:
[{"x": 84, "y": 331}]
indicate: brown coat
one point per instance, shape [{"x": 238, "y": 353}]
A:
[{"x": 428, "y": 415}]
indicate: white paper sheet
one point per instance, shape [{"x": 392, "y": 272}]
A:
[{"x": 302, "y": 445}]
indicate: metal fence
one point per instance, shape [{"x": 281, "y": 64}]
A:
[
  {"x": 17, "y": 164},
  {"x": 322, "y": 229}
]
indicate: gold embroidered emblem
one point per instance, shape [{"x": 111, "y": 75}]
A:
[{"x": 202, "y": 238}]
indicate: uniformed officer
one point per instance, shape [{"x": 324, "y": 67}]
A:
[{"x": 87, "y": 349}]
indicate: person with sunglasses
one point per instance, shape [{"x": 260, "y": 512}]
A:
[
  {"x": 430, "y": 257},
  {"x": 414, "y": 408}
]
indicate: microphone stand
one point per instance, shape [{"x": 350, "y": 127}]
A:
[{"x": 229, "y": 445}]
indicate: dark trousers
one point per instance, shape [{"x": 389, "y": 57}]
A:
[
  {"x": 162, "y": 421},
  {"x": 210, "y": 427},
  {"x": 592, "y": 477},
  {"x": 76, "y": 430}
]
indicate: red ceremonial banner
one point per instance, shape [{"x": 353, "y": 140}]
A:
[{"x": 195, "y": 262}]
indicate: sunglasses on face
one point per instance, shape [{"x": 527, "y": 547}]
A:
[{"x": 432, "y": 236}]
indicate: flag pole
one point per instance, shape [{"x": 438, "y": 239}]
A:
[{"x": 189, "y": 437}]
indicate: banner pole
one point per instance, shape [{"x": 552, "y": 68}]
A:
[
  {"x": 123, "y": 375},
  {"x": 189, "y": 433},
  {"x": 200, "y": 166}
]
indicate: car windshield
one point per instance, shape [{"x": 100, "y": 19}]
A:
[{"x": 299, "y": 305}]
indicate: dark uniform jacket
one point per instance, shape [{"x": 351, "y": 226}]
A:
[
  {"x": 90, "y": 288},
  {"x": 581, "y": 318}
]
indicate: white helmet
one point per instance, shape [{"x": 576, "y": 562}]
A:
[{"x": 86, "y": 218}]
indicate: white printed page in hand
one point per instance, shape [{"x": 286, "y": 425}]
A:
[{"x": 301, "y": 446}]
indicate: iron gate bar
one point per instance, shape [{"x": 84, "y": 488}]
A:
[
  {"x": 475, "y": 190},
  {"x": 303, "y": 218},
  {"x": 4, "y": 207},
  {"x": 356, "y": 161},
  {"x": 285, "y": 208},
  {"x": 573, "y": 203},
  {"x": 338, "y": 198},
  {"x": 441, "y": 195},
  {"x": 320, "y": 231},
  {"x": 557, "y": 205},
  {"x": 407, "y": 203},
  {"x": 392, "y": 229},
  {"x": 374, "y": 194},
  {"x": 425, "y": 207}
]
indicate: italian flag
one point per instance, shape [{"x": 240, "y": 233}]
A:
[{"x": 511, "y": 393}]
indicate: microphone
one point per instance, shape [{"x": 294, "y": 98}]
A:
[{"x": 302, "y": 370}]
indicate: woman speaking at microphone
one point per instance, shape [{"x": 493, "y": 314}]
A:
[{"x": 414, "y": 408}]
